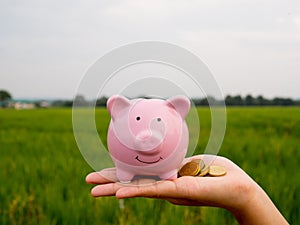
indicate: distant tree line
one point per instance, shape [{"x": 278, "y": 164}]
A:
[
  {"x": 249, "y": 100},
  {"x": 80, "y": 101},
  {"x": 236, "y": 100},
  {"x": 4, "y": 95}
]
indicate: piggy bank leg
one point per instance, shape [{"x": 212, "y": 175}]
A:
[
  {"x": 124, "y": 176},
  {"x": 171, "y": 175}
]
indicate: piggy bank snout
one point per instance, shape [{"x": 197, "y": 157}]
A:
[
  {"x": 144, "y": 135},
  {"x": 148, "y": 141}
]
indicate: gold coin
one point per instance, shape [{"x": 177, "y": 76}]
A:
[
  {"x": 203, "y": 172},
  {"x": 200, "y": 162},
  {"x": 216, "y": 171},
  {"x": 190, "y": 169}
]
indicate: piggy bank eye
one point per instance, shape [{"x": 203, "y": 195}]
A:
[
  {"x": 158, "y": 119},
  {"x": 138, "y": 118}
]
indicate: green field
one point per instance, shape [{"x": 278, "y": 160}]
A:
[{"x": 42, "y": 172}]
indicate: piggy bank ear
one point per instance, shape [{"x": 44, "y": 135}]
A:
[
  {"x": 115, "y": 104},
  {"x": 181, "y": 104}
]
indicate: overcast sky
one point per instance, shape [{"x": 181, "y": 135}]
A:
[{"x": 251, "y": 46}]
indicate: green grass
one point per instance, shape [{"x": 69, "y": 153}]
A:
[{"x": 42, "y": 172}]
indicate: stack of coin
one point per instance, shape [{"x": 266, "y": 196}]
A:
[{"x": 198, "y": 168}]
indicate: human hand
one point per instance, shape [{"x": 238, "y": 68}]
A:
[
  {"x": 235, "y": 191},
  {"x": 183, "y": 191}
]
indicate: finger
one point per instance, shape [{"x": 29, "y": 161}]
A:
[
  {"x": 105, "y": 189},
  {"x": 102, "y": 177},
  {"x": 159, "y": 189},
  {"x": 182, "y": 188},
  {"x": 96, "y": 178},
  {"x": 110, "y": 188}
]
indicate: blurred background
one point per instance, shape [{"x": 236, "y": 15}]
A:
[
  {"x": 252, "y": 47},
  {"x": 46, "y": 47}
]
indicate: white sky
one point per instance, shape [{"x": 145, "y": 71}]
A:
[{"x": 251, "y": 46}]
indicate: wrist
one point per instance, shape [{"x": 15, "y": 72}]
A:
[{"x": 256, "y": 208}]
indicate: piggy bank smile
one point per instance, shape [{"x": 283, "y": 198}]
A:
[{"x": 148, "y": 162}]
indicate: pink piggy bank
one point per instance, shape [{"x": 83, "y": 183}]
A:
[{"x": 147, "y": 136}]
